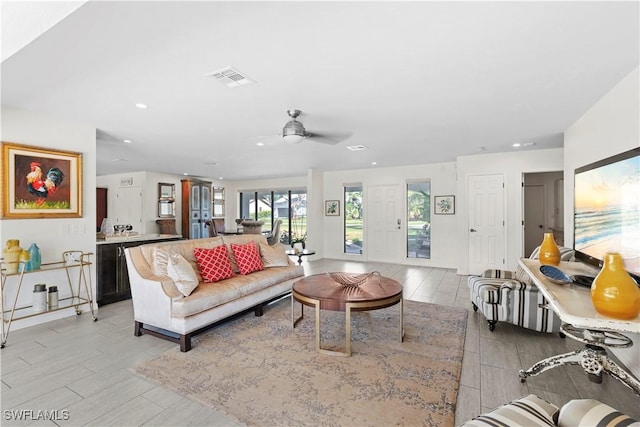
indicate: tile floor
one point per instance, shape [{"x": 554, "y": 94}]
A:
[{"x": 83, "y": 369}]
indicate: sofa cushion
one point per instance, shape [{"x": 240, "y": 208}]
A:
[
  {"x": 241, "y": 240},
  {"x": 214, "y": 263},
  {"x": 583, "y": 412},
  {"x": 157, "y": 254},
  {"x": 529, "y": 411},
  {"x": 210, "y": 295},
  {"x": 274, "y": 256},
  {"x": 247, "y": 257},
  {"x": 182, "y": 274}
]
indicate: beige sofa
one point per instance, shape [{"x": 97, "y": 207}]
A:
[{"x": 160, "y": 309}]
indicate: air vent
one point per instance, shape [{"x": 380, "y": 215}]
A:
[
  {"x": 356, "y": 147},
  {"x": 230, "y": 77}
]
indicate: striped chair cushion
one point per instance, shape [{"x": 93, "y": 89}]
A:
[
  {"x": 590, "y": 412},
  {"x": 525, "y": 304},
  {"x": 529, "y": 411},
  {"x": 498, "y": 274}
]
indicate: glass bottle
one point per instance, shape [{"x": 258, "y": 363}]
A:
[
  {"x": 36, "y": 257},
  {"x": 549, "y": 251},
  {"x": 613, "y": 292},
  {"x": 25, "y": 261}
]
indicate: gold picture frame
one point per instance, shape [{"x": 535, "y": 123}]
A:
[{"x": 40, "y": 182}]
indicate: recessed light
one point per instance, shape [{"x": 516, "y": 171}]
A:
[
  {"x": 128, "y": 141},
  {"x": 374, "y": 163},
  {"x": 517, "y": 144},
  {"x": 220, "y": 178},
  {"x": 186, "y": 174},
  {"x": 260, "y": 144},
  {"x": 356, "y": 147},
  {"x": 142, "y": 106}
]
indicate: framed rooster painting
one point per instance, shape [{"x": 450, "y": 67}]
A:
[{"x": 40, "y": 183}]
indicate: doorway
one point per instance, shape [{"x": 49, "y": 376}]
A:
[
  {"x": 384, "y": 223},
  {"x": 129, "y": 207},
  {"x": 534, "y": 213},
  {"x": 543, "y": 201},
  {"x": 486, "y": 222}
]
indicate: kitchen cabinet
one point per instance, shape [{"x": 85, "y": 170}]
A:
[
  {"x": 196, "y": 208},
  {"x": 111, "y": 270}
]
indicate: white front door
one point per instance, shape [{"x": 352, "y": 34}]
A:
[
  {"x": 384, "y": 223},
  {"x": 486, "y": 223}
]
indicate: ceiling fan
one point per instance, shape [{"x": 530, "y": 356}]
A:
[{"x": 294, "y": 132}]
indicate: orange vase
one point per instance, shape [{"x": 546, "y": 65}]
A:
[
  {"x": 613, "y": 292},
  {"x": 549, "y": 251}
]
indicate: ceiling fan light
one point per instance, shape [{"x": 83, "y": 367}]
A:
[
  {"x": 293, "y": 139},
  {"x": 293, "y": 132}
]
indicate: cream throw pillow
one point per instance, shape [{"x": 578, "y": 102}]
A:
[
  {"x": 273, "y": 256},
  {"x": 182, "y": 274}
]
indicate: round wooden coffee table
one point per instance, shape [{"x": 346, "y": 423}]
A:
[{"x": 323, "y": 293}]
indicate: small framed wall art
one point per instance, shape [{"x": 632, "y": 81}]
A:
[
  {"x": 40, "y": 182},
  {"x": 444, "y": 205},
  {"x": 332, "y": 207}
]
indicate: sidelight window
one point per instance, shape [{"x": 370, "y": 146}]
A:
[
  {"x": 353, "y": 221},
  {"x": 419, "y": 219}
]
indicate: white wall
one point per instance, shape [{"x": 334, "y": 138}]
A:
[
  {"x": 148, "y": 181},
  {"x": 512, "y": 165},
  {"x": 112, "y": 184},
  {"x": 53, "y": 236},
  {"x": 610, "y": 127},
  {"x": 443, "y": 182}
]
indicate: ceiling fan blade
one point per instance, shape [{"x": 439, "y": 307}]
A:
[{"x": 329, "y": 138}]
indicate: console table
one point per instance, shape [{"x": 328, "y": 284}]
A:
[{"x": 581, "y": 321}]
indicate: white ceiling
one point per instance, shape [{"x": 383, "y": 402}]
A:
[{"x": 415, "y": 82}]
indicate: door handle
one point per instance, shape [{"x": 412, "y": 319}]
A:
[{"x": 473, "y": 230}]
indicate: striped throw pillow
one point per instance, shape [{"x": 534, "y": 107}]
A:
[
  {"x": 590, "y": 412},
  {"x": 529, "y": 411}
]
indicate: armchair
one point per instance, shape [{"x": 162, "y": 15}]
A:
[
  {"x": 274, "y": 235},
  {"x": 508, "y": 296}
]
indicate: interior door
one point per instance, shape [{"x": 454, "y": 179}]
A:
[
  {"x": 534, "y": 212},
  {"x": 129, "y": 207},
  {"x": 384, "y": 223},
  {"x": 486, "y": 223}
]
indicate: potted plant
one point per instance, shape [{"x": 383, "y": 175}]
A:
[{"x": 298, "y": 241}]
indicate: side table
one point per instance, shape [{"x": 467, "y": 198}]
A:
[
  {"x": 300, "y": 254},
  {"x": 582, "y": 323}
]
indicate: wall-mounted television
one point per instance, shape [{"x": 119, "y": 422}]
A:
[{"x": 607, "y": 210}]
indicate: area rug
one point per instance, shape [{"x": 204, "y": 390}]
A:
[{"x": 259, "y": 371}]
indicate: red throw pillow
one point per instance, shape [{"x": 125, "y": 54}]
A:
[
  {"x": 214, "y": 263},
  {"x": 247, "y": 257}
]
